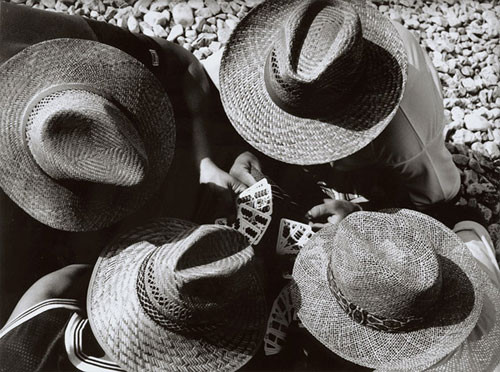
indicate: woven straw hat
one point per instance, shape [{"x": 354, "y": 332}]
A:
[
  {"x": 174, "y": 296},
  {"x": 309, "y": 82},
  {"x": 87, "y": 133},
  {"x": 396, "y": 290}
]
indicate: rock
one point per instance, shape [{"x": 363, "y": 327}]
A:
[
  {"x": 485, "y": 212},
  {"x": 494, "y": 230},
  {"x": 203, "y": 12},
  {"x": 213, "y": 6},
  {"x": 466, "y": 71},
  {"x": 470, "y": 177},
  {"x": 457, "y": 113},
  {"x": 198, "y": 54},
  {"x": 475, "y": 189},
  {"x": 146, "y": 29},
  {"x": 463, "y": 136},
  {"x": 231, "y": 24},
  {"x": 160, "y": 31},
  {"x": 195, "y": 4},
  {"x": 175, "y": 32},
  {"x": 252, "y": 3},
  {"x": 192, "y": 34},
  {"x": 475, "y": 121},
  {"x": 159, "y": 5},
  {"x": 199, "y": 22},
  {"x": 183, "y": 15},
  {"x": 460, "y": 159},
  {"x": 51, "y": 4},
  {"x": 143, "y": 5},
  {"x": 155, "y": 18},
  {"x": 133, "y": 24},
  {"x": 110, "y": 13},
  {"x": 492, "y": 149},
  {"x": 223, "y": 34},
  {"x": 496, "y": 136},
  {"x": 469, "y": 85},
  {"x": 475, "y": 166},
  {"x": 478, "y": 147},
  {"x": 215, "y": 46}
]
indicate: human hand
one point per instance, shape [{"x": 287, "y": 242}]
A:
[
  {"x": 331, "y": 211},
  {"x": 223, "y": 186},
  {"x": 242, "y": 167}
]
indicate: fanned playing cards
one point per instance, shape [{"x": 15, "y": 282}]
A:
[
  {"x": 292, "y": 236},
  {"x": 254, "y": 210},
  {"x": 282, "y": 315}
]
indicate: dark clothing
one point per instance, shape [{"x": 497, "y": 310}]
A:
[
  {"x": 29, "y": 249},
  {"x": 53, "y": 335}
]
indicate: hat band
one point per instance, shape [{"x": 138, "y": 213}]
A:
[
  {"x": 365, "y": 318},
  {"x": 35, "y": 100}
]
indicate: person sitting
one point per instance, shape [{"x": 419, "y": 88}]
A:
[
  {"x": 167, "y": 296},
  {"x": 53, "y": 207},
  {"x": 398, "y": 290},
  {"x": 335, "y": 87}
]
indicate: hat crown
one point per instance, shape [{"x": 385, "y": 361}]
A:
[
  {"x": 317, "y": 60},
  {"x": 385, "y": 266},
  {"x": 191, "y": 285},
  {"x": 78, "y": 135}
]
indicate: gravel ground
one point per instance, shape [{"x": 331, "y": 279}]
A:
[{"x": 462, "y": 38}]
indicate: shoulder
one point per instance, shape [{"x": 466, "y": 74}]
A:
[{"x": 69, "y": 282}]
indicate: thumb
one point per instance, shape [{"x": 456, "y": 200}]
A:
[{"x": 237, "y": 186}]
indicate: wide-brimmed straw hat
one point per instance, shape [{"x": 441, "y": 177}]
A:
[
  {"x": 396, "y": 290},
  {"x": 174, "y": 296},
  {"x": 87, "y": 133},
  {"x": 309, "y": 82}
]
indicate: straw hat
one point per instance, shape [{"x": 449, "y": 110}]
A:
[
  {"x": 87, "y": 133},
  {"x": 174, "y": 296},
  {"x": 396, "y": 290},
  {"x": 309, "y": 82}
]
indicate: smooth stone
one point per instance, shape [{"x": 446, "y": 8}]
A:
[
  {"x": 476, "y": 122},
  {"x": 183, "y": 15}
]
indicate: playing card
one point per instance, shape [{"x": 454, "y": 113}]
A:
[
  {"x": 292, "y": 236},
  {"x": 254, "y": 217},
  {"x": 252, "y": 233},
  {"x": 282, "y": 314},
  {"x": 257, "y": 196}
]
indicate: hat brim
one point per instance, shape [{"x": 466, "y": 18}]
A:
[
  {"x": 81, "y": 206},
  {"x": 298, "y": 140},
  {"x": 134, "y": 341},
  {"x": 447, "y": 328}
]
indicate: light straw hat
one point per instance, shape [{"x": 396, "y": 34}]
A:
[
  {"x": 87, "y": 133},
  {"x": 396, "y": 290},
  {"x": 174, "y": 296},
  {"x": 312, "y": 81}
]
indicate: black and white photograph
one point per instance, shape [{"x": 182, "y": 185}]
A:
[{"x": 249, "y": 185}]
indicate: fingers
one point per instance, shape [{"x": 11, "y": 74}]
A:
[
  {"x": 321, "y": 210},
  {"x": 331, "y": 210},
  {"x": 244, "y": 176},
  {"x": 238, "y": 187}
]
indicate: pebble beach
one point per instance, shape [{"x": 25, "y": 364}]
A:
[{"x": 461, "y": 37}]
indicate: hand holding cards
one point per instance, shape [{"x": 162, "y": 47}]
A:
[{"x": 254, "y": 210}]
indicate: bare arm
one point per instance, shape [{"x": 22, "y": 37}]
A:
[{"x": 69, "y": 282}]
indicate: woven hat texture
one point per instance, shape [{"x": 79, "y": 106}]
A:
[
  {"x": 87, "y": 133},
  {"x": 410, "y": 293},
  {"x": 174, "y": 296},
  {"x": 309, "y": 82}
]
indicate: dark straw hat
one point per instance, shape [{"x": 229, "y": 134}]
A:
[
  {"x": 87, "y": 133},
  {"x": 174, "y": 296},
  {"x": 396, "y": 290},
  {"x": 312, "y": 81}
]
